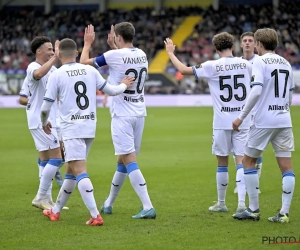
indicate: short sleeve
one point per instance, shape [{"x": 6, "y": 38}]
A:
[
  {"x": 202, "y": 70},
  {"x": 24, "y": 89},
  {"x": 257, "y": 72},
  {"x": 30, "y": 71},
  {"x": 52, "y": 88}
]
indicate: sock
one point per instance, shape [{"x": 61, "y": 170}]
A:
[
  {"x": 139, "y": 184},
  {"x": 49, "y": 191},
  {"x": 252, "y": 187},
  {"x": 258, "y": 166},
  {"x": 42, "y": 165},
  {"x": 47, "y": 176},
  {"x": 86, "y": 190},
  {"x": 116, "y": 185},
  {"x": 288, "y": 185},
  {"x": 65, "y": 192},
  {"x": 222, "y": 183},
  {"x": 240, "y": 183}
]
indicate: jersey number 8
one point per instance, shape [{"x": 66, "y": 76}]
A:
[{"x": 81, "y": 94}]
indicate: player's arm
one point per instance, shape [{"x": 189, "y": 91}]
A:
[
  {"x": 23, "y": 100},
  {"x": 37, "y": 74},
  {"x": 45, "y": 111},
  {"x": 24, "y": 93},
  {"x": 112, "y": 90},
  {"x": 49, "y": 98},
  {"x": 255, "y": 92},
  {"x": 89, "y": 37},
  {"x": 183, "y": 69},
  {"x": 104, "y": 102},
  {"x": 117, "y": 90}
]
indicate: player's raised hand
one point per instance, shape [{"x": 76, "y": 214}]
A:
[
  {"x": 170, "y": 47},
  {"x": 128, "y": 80},
  {"x": 56, "y": 49},
  {"x": 111, "y": 38},
  {"x": 236, "y": 123},
  {"x": 89, "y": 35},
  {"x": 47, "y": 128}
]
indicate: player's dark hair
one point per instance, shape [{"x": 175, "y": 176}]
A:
[
  {"x": 223, "y": 41},
  {"x": 126, "y": 31},
  {"x": 248, "y": 33},
  {"x": 268, "y": 38},
  {"x": 37, "y": 42}
]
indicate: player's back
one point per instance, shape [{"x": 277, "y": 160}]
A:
[
  {"x": 275, "y": 74},
  {"x": 77, "y": 85},
  {"x": 128, "y": 62},
  {"x": 229, "y": 83}
]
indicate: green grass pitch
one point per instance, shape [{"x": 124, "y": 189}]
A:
[{"x": 180, "y": 171}]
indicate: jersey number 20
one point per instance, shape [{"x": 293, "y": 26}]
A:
[{"x": 138, "y": 76}]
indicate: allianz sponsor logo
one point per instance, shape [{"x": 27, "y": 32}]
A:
[
  {"x": 232, "y": 109},
  {"x": 91, "y": 116},
  {"x": 279, "y": 107},
  {"x": 131, "y": 99}
]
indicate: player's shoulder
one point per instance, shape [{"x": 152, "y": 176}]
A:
[{"x": 34, "y": 65}]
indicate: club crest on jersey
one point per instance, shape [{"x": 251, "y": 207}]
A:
[{"x": 252, "y": 78}]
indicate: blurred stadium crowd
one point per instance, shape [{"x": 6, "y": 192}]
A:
[{"x": 19, "y": 27}]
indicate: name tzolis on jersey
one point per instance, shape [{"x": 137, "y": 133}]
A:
[
  {"x": 75, "y": 85},
  {"x": 127, "y": 62},
  {"x": 275, "y": 75},
  {"x": 229, "y": 83},
  {"x": 37, "y": 90}
]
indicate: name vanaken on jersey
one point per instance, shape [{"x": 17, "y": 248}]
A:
[
  {"x": 227, "y": 67},
  {"x": 136, "y": 60}
]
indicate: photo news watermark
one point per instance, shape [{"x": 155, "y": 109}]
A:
[{"x": 280, "y": 240}]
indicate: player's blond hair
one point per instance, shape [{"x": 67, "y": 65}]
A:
[
  {"x": 67, "y": 47},
  {"x": 267, "y": 37},
  {"x": 223, "y": 41}
]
